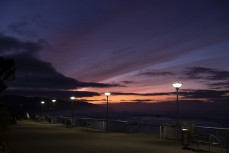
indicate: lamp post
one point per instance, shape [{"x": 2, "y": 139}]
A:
[
  {"x": 53, "y": 106},
  {"x": 107, "y": 94},
  {"x": 177, "y": 86},
  {"x": 72, "y": 99},
  {"x": 42, "y": 109}
]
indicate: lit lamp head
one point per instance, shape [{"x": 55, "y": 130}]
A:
[
  {"x": 42, "y": 102},
  {"x": 107, "y": 94},
  {"x": 54, "y": 100},
  {"x": 72, "y": 98},
  {"x": 177, "y": 85}
]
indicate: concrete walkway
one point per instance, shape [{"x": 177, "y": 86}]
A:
[{"x": 35, "y": 137}]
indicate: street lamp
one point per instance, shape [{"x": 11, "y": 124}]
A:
[
  {"x": 72, "y": 99},
  {"x": 177, "y": 86},
  {"x": 107, "y": 94},
  {"x": 42, "y": 109},
  {"x": 53, "y": 106}
]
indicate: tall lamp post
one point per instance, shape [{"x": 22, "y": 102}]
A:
[
  {"x": 107, "y": 94},
  {"x": 177, "y": 86},
  {"x": 42, "y": 109},
  {"x": 53, "y": 106},
  {"x": 72, "y": 100}
]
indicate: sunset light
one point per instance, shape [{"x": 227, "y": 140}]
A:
[{"x": 94, "y": 73}]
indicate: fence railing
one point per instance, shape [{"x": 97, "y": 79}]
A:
[
  {"x": 212, "y": 134},
  {"x": 124, "y": 126},
  {"x": 142, "y": 126},
  {"x": 220, "y": 133}
]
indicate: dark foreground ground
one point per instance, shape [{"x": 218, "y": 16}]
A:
[{"x": 34, "y": 137}]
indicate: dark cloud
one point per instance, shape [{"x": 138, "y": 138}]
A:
[
  {"x": 186, "y": 93},
  {"x": 206, "y": 73},
  {"x": 60, "y": 94},
  {"x": 220, "y": 85},
  {"x": 37, "y": 74},
  {"x": 87, "y": 100},
  {"x": 127, "y": 82},
  {"x": 10, "y": 46},
  {"x": 150, "y": 73},
  {"x": 142, "y": 100},
  {"x": 219, "y": 79},
  {"x": 140, "y": 94},
  {"x": 33, "y": 73},
  {"x": 208, "y": 94}
]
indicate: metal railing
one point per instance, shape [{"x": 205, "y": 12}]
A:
[
  {"x": 142, "y": 126},
  {"x": 219, "y": 134},
  {"x": 124, "y": 126}
]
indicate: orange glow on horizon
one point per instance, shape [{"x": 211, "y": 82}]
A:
[
  {"x": 136, "y": 93},
  {"x": 124, "y": 98}
]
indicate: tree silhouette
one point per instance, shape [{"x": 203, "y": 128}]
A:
[{"x": 7, "y": 72}]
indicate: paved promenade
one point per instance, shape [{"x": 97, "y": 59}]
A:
[{"x": 35, "y": 137}]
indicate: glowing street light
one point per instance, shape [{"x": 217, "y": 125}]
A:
[
  {"x": 177, "y": 86},
  {"x": 42, "y": 109},
  {"x": 72, "y": 100},
  {"x": 107, "y": 94},
  {"x": 53, "y": 106}
]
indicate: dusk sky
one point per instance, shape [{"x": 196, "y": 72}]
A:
[{"x": 134, "y": 49}]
